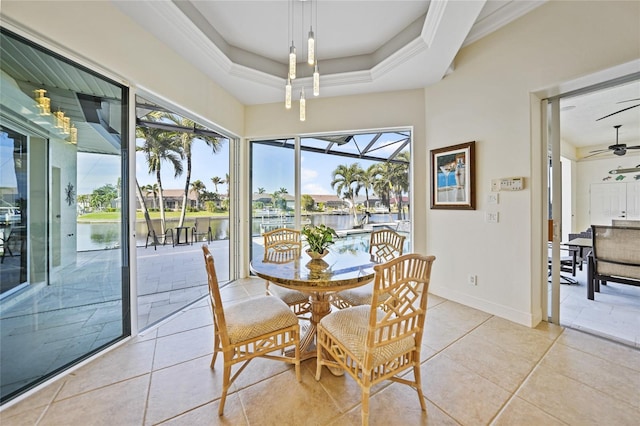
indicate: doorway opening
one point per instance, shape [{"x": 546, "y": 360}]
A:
[{"x": 596, "y": 186}]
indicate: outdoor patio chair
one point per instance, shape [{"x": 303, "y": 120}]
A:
[
  {"x": 201, "y": 227},
  {"x": 156, "y": 235},
  {"x": 384, "y": 245},
  {"x": 380, "y": 341},
  {"x": 260, "y": 327},
  {"x": 284, "y": 243},
  {"x": 5, "y": 241}
]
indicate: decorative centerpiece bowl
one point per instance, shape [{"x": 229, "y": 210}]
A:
[
  {"x": 318, "y": 237},
  {"x": 315, "y": 255}
]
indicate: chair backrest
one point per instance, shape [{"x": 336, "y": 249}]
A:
[
  {"x": 386, "y": 244},
  {"x": 281, "y": 256},
  {"x": 201, "y": 224},
  {"x": 616, "y": 251},
  {"x": 156, "y": 225},
  {"x": 214, "y": 296},
  {"x": 628, "y": 223},
  {"x": 282, "y": 239},
  {"x": 399, "y": 303}
]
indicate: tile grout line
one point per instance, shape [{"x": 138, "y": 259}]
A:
[
  {"x": 533, "y": 369},
  {"x": 50, "y": 403}
]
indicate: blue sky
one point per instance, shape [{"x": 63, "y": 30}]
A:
[{"x": 269, "y": 171}]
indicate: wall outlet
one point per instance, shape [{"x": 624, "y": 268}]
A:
[
  {"x": 473, "y": 280},
  {"x": 491, "y": 217}
]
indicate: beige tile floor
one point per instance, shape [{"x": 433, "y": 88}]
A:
[{"x": 477, "y": 369}]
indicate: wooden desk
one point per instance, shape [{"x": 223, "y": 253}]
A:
[{"x": 317, "y": 278}]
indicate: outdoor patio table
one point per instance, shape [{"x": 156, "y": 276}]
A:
[
  {"x": 180, "y": 232},
  {"x": 319, "y": 279}
]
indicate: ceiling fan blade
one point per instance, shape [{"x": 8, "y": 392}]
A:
[
  {"x": 629, "y": 100},
  {"x": 598, "y": 152},
  {"x": 617, "y": 112},
  {"x": 634, "y": 147}
]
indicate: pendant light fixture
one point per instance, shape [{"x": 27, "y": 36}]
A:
[
  {"x": 316, "y": 81},
  {"x": 303, "y": 106},
  {"x": 287, "y": 94},
  {"x": 311, "y": 55}
]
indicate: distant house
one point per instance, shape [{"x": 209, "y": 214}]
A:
[{"x": 172, "y": 199}]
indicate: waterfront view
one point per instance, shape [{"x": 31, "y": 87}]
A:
[{"x": 96, "y": 235}]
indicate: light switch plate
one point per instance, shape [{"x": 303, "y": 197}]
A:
[
  {"x": 491, "y": 217},
  {"x": 494, "y": 198}
]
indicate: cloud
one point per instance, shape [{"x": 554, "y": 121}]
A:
[
  {"x": 308, "y": 175},
  {"x": 314, "y": 188}
]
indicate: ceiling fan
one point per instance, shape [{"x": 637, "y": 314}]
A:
[
  {"x": 617, "y": 148},
  {"x": 622, "y": 110}
]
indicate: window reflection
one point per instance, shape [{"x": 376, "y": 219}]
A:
[{"x": 63, "y": 291}]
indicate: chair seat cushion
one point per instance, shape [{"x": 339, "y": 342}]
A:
[
  {"x": 288, "y": 296},
  {"x": 349, "y": 326},
  {"x": 358, "y": 296},
  {"x": 258, "y": 316}
]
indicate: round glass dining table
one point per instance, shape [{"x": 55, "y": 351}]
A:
[{"x": 318, "y": 278}]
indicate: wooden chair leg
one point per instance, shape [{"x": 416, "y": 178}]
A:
[
  {"x": 418, "y": 381},
  {"x": 364, "y": 412},
  {"x": 225, "y": 388}
]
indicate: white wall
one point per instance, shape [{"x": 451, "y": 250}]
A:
[{"x": 488, "y": 99}]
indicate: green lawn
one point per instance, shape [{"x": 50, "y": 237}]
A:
[{"x": 154, "y": 215}]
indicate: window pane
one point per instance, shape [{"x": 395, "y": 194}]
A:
[
  {"x": 183, "y": 202},
  {"x": 354, "y": 183},
  {"x": 272, "y": 188}
]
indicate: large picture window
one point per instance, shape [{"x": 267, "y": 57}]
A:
[{"x": 354, "y": 183}]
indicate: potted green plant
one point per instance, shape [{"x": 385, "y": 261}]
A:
[{"x": 319, "y": 237}]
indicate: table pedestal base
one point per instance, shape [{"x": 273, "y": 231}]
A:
[{"x": 320, "y": 307}]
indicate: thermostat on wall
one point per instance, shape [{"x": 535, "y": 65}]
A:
[{"x": 507, "y": 184}]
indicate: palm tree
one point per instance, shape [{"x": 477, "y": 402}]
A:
[
  {"x": 198, "y": 187},
  {"x": 186, "y": 141},
  {"x": 160, "y": 145},
  {"x": 153, "y": 191},
  {"x": 345, "y": 180},
  {"x": 397, "y": 174},
  {"x": 228, "y": 182},
  {"x": 278, "y": 199},
  {"x": 217, "y": 180},
  {"x": 367, "y": 180},
  {"x": 261, "y": 190}
]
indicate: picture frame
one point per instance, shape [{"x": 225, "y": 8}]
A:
[{"x": 453, "y": 177}]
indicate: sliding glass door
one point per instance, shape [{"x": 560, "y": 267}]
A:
[{"x": 63, "y": 252}]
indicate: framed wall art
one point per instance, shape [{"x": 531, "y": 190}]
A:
[{"x": 453, "y": 177}]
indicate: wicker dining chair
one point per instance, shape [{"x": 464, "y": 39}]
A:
[
  {"x": 373, "y": 344},
  {"x": 384, "y": 245},
  {"x": 283, "y": 243},
  {"x": 260, "y": 327}
]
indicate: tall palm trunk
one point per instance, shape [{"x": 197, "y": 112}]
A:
[
  {"x": 185, "y": 197},
  {"x": 145, "y": 212},
  {"x": 161, "y": 202}
]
